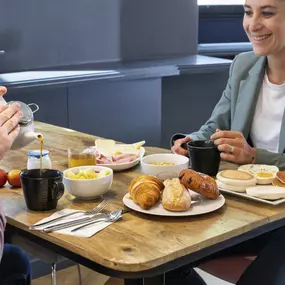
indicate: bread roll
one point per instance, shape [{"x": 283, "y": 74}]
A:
[
  {"x": 200, "y": 183},
  {"x": 236, "y": 178},
  {"x": 235, "y": 188},
  {"x": 175, "y": 196},
  {"x": 277, "y": 182},
  {"x": 281, "y": 176},
  {"x": 145, "y": 191}
]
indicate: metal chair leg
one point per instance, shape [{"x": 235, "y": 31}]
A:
[{"x": 53, "y": 274}]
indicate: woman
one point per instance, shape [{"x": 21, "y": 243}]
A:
[
  {"x": 248, "y": 123},
  {"x": 14, "y": 263}
]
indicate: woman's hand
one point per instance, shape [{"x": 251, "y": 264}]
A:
[
  {"x": 234, "y": 147},
  {"x": 177, "y": 148},
  {"x": 9, "y": 124},
  {"x": 3, "y": 90}
]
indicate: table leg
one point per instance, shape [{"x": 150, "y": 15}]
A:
[
  {"x": 53, "y": 274},
  {"x": 156, "y": 280}
]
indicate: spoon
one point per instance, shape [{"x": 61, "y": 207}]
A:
[{"x": 113, "y": 216}]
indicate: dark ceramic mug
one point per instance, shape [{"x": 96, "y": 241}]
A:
[
  {"x": 204, "y": 156},
  {"x": 42, "y": 188}
]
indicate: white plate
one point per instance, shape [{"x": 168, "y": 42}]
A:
[
  {"x": 206, "y": 206},
  {"x": 126, "y": 165},
  {"x": 244, "y": 195}
]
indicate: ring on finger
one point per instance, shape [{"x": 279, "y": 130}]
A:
[{"x": 232, "y": 149}]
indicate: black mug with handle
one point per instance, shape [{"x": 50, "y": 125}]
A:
[
  {"x": 204, "y": 156},
  {"x": 42, "y": 188}
]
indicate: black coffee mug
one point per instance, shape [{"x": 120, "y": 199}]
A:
[
  {"x": 204, "y": 156},
  {"x": 42, "y": 188}
]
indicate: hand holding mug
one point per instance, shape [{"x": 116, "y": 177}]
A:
[
  {"x": 234, "y": 147},
  {"x": 177, "y": 147}
]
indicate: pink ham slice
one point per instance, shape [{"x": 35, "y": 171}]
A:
[
  {"x": 123, "y": 158},
  {"x": 115, "y": 159}
]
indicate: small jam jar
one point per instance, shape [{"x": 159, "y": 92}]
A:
[{"x": 34, "y": 160}]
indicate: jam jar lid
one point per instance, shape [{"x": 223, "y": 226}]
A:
[
  {"x": 28, "y": 116},
  {"x": 37, "y": 153}
]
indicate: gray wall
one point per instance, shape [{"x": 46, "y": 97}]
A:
[
  {"x": 130, "y": 110},
  {"x": 188, "y": 101},
  {"x": 158, "y": 28},
  {"x": 126, "y": 111},
  {"x": 36, "y": 33}
]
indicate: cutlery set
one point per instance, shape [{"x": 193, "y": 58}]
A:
[{"x": 91, "y": 217}]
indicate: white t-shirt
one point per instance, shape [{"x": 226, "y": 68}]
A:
[{"x": 266, "y": 125}]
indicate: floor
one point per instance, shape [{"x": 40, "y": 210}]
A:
[{"x": 70, "y": 276}]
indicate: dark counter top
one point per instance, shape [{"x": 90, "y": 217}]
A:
[
  {"x": 224, "y": 49},
  {"x": 114, "y": 71}
]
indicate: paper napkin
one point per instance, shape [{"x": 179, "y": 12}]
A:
[{"x": 85, "y": 232}]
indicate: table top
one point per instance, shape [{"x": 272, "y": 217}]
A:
[{"x": 137, "y": 242}]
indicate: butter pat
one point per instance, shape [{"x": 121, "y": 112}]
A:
[
  {"x": 109, "y": 147},
  {"x": 105, "y": 147},
  {"x": 266, "y": 192}
]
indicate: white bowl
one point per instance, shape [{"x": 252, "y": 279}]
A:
[
  {"x": 166, "y": 171},
  {"x": 90, "y": 188},
  {"x": 257, "y": 169}
]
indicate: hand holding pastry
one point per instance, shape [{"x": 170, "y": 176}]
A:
[{"x": 175, "y": 196}]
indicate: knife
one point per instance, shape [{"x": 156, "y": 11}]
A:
[{"x": 79, "y": 222}]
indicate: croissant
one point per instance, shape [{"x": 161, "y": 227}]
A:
[
  {"x": 175, "y": 196},
  {"x": 145, "y": 191},
  {"x": 200, "y": 183}
]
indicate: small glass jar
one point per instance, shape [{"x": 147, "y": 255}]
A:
[{"x": 34, "y": 160}]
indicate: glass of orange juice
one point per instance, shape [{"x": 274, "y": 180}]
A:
[{"x": 77, "y": 157}]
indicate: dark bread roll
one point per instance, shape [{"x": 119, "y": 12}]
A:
[{"x": 200, "y": 183}]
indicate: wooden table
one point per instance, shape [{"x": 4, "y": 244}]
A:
[{"x": 138, "y": 245}]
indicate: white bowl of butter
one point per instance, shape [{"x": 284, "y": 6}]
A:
[
  {"x": 263, "y": 173},
  {"x": 164, "y": 165}
]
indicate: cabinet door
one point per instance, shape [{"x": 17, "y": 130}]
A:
[
  {"x": 51, "y": 101},
  {"x": 126, "y": 111},
  {"x": 38, "y": 34}
]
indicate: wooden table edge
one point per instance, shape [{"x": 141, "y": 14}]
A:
[{"x": 150, "y": 268}]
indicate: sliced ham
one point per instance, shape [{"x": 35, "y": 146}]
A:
[
  {"x": 115, "y": 159},
  {"x": 121, "y": 158},
  {"x": 125, "y": 158}
]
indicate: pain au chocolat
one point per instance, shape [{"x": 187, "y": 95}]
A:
[{"x": 200, "y": 183}]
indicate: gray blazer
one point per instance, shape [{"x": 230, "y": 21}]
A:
[{"x": 236, "y": 108}]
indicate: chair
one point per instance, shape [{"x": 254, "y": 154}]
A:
[
  {"x": 228, "y": 268},
  {"x": 39, "y": 252}
]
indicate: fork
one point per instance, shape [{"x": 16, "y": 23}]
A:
[
  {"x": 95, "y": 210},
  {"x": 106, "y": 218}
]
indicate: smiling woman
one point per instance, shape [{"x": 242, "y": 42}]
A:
[
  {"x": 264, "y": 23},
  {"x": 248, "y": 125},
  {"x": 257, "y": 82}
]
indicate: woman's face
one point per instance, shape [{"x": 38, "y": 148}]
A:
[{"x": 264, "y": 23}]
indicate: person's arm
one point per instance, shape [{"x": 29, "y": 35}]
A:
[
  {"x": 2, "y": 229},
  {"x": 220, "y": 118},
  {"x": 221, "y": 115},
  {"x": 9, "y": 130},
  {"x": 266, "y": 157}
]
